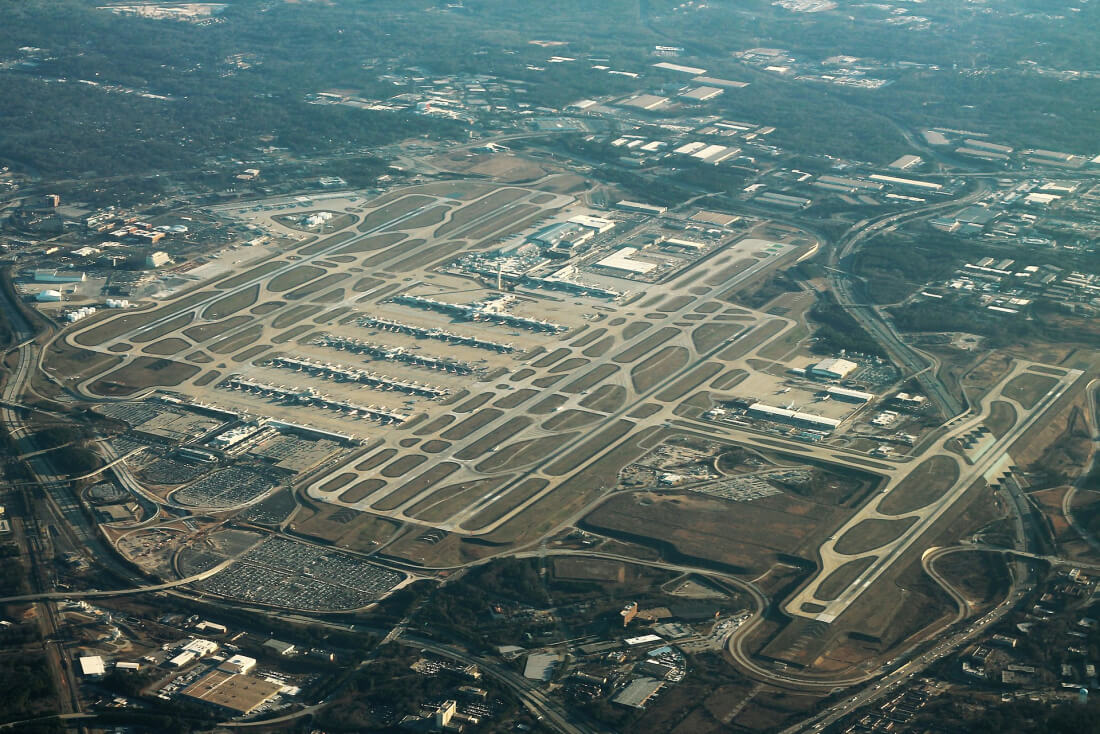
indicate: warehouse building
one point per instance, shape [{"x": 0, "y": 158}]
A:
[
  {"x": 237, "y": 694},
  {"x": 634, "y": 206},
  {"x": 639, "y": 693},
  {"x": 792, "y": 417},
  {"x": 849, "y": 396},
  {"x": 620, "y": 260},
  {"x": 833, "y": 369}
]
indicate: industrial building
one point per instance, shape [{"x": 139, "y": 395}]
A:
[
  {"x": 600, "y": 224},
  {"x": 239, "y": 664},
  {"x": 621, "y": 260},
  {"x": 833, "y": 369},
  {"x": 157, "y": 259},
  {"x": 48, "y": 296},
  {"x": 634, "y": 206},
  {"x": 237, "y": 694},
  {"x": 639, "y": 693},
  {"x": 849, "y": 396},
  {"x": 793, "y": 417},
  {"x": 92, "y": 666},
  {"x": 58, "y": 276}
]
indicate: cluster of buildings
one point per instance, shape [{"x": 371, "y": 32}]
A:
[
  {"x": 977, "y": 147},
  {"x": 1007, "y": 287}
]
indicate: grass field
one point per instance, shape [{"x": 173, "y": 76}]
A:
[
  {"x": 238, "y": 341},
  {"x": 472, "y": 404},
  {"x": 164, "y": 329},
  {"x": 729, "y": 380},
  {"x": 505, "y": 504},
  {"x": 588, "y": 337},
  {"x": 294, "y": 278},
  {"x": 361, "y": 490},
  {"x": 316, "y": 286},
  {"x": 607, "y": 398},
  {"x": 1028, "y": 389},
  {"x": 166, "y": 347},
  {"x": 521, "y": 453},
  {"x": 401, "y": 466},
  {"x": 372, "y": 243},
  {"x": 293, "y": 315},
  {"x": 516, "y": 398},
  {"x": 393, "y": 210},
  {"x": 290, "y": 334},
  {"x": 870, "y": 534},
  {"x": 494, "y": 438},
  {"x": 590, "y": 379},
  {"x": 266, "y": 308},
  {"x": 600, "y": 348},
  {"x": 250, "y": 275},
  {"x": 551, "y": 358},
  {"x": 583, "y": 453},
  {"x": 443, "y": 503},
  {"x": 647, "y": 345},
  {"x": 423, "y": 482},
  {"x": 658, "y": 367},
  {"x": 376, "y": 459},
  {"x": 479, "y": 208},
  {"x": 568, "y": 420},
  {"x": 202, "y": 332},
  {"x": 143, "y": 373},
  {"x": 633, "y": 330},
  {"x": 569, "y": 365},
  {"x": 926, "y": 483},
  {"x": 231, "y": 304},
  {"x": 689, "y": 382},
  {"x": 475, "y": 422},
  {"x": 708, "y": 336},
  {"x": 840, "y": 579},
  {"x": 1002, "y": 417}
]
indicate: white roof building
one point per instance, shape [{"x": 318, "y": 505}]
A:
[
  {"x": 834, "y": 368},
  {"x": 238, "y": 664},
  {"x": 620, "y": 260},
  {"x": 200, "y": 647},
  {"x": 92, "y": 666}
]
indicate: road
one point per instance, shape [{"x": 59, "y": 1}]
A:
[{"x": 846, "y": 288}]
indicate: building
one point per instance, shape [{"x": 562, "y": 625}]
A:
[
  {"x": 200, "y": 647},
  {"x": 282, "y": 648},
  {"x": 906, "y": 162},
  {"x": 92, "y": 666},
  {"x": 239, "y": 664},
  {"x": 562, "y": 236},
  {"x": 540, "y": 666},
  {"x": 237, "y": 694},
  {"x": 600, "y": 224},
  {"x": 629, "y": 612},
  {"x": 157, "y": 259},
  {"x": 621, "y": 260},
  {"x": 792, "y": 417},
  {"x": 849, "y": 396},
  {"x": 207, "y": 626},
  {"x": 58, "y": 276},
  {"x": 634, "y": 206},
  {"x": 833, "y": 369},
  {"x": 182, "y": 659},
  {"x": 129, "y": 667},
  {"x": 639, "y": 693},
  {"x": 48, "y": 296},
  {"x": 702, "y": 94}
]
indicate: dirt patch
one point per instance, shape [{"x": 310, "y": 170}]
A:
[
  {"x": 588, "y": 337},
  {"x": 250, "y": 354},
  {"x": 376, "y": 459}
]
